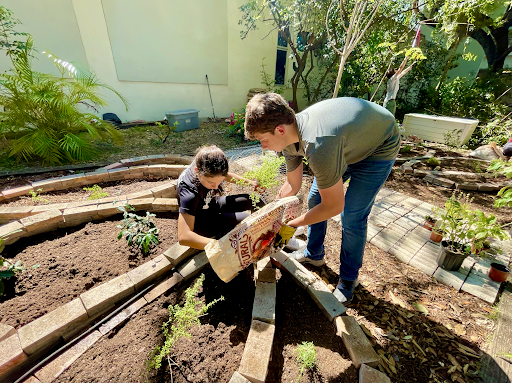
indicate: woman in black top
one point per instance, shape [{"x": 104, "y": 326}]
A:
[{"x": 204, "y": 212}]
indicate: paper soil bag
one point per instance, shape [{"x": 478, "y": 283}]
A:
[{"x": 252, "y": 239}]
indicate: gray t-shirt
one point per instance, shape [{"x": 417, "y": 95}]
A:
[
  {"x": 342, "y": 131},
  {"x": 392, "y": 87}
]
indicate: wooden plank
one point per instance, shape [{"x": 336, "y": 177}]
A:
[{"x": 495, "y": 366}]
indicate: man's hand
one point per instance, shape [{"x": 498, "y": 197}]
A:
[{"x": 283, "y": 236}]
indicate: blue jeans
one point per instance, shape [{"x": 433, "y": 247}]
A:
[{"x": 366, "y": 179}]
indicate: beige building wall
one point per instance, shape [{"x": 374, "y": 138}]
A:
[{"x": 79, "y": 32}]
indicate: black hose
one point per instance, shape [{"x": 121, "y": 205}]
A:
[{"x": 83, "y": 335}]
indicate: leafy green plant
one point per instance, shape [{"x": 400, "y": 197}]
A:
[
  {"x": 96, "y": 192},
  {"x": 266, "y": 174},
  {"x": 505, "y": 194},
  {"x": 9, "y": 269},
  {"x": 306, "y": 357},
  {"x": 406, "y": 149},
  {"x": 268, "y": 81},
  {"x": 466, "y": 230},
  {"x": 433, "y": 161},
  {"x": 138, "y": 230},
  {"x": 452, "y": 138},
  {"x": 42, "y": 117},
  {"x": 37, "y": 198},
  {"x": 165, "y": 130},
  {"x": 8, "y": 35},
  {"x": 181, "y": 320}
]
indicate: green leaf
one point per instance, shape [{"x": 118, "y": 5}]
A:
[
  {"x": 419, "y": 307},
  {"x": 6, "y": 274}
]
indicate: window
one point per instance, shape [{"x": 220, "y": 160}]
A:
[{"x": 282, "y": 53}]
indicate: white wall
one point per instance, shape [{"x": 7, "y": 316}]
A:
[{"x": 85, "y": 30}]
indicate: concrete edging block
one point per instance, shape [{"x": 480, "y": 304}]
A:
[
  {"x": 107, "y": 294},
  {"x": 149, "y": 271},
  {"x": 12, "y": 354},
  {"x": 368, "y": 374},
  {"x": 193, "y": 266},
  {"x": 264, "y": 306},
  {"x": 325, "y": 300},
  {"x": 257, "y": 352},
  {"x": 298, "y": 272},
  {"x": 178, "y": 253},
  {"x": 48, "y": 329},
  {"x": 356, "y": 342}
]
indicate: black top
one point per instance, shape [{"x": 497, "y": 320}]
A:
[{"x": 192, "y": 195}]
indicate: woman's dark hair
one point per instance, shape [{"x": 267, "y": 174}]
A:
[
  {"x": 211, "y": 161},
  {"x": 390, "y": 73}
]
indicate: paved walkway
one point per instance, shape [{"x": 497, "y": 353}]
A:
[{"x": 395, "y": 225}]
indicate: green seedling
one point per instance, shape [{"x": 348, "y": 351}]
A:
[
  {"x": 96, "y": 192},
  {"x": 406, "y": 149},
  {"x": 181, "y": 320},
  {"x": 306, "y": 357},
  {"x": 433, "y": 161},
  {"x": 37, "y": 198},
  {"x": 138, "y": 230},
  {"x": 9, "y": 269}
]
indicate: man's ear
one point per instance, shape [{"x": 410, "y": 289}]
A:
[{"x": 280, "y": 130}]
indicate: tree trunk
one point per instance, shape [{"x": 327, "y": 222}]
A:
[{"x": 453, "y": 50}]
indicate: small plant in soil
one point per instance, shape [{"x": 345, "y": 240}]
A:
[
  {"x": 266, "y": 175},
  {"x": 96, "y": 192},
  {"x": 138, "y": 230},
  {"x": 306, "y": 357},
  {"x": 8, "y": 269},
  {"x": 406, "y": 149},
  {"x": 37, "y": 198},
  {"x": 433, "y": 161},
  {"x": 181, "y": 320}
]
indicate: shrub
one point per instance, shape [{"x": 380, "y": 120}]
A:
[
  {"x": 96, "y": 192},
  {"x": 42, "y": 118},
  {"x": 505, "y": 194},
  {"x": 181, "y": 320},
  {"x": 138, "y": 230},
  {"x": 236, "y": 124}
]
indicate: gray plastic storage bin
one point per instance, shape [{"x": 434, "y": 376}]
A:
[{"x": 187, "y": 119}]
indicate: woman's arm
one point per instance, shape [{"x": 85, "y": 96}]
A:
[
  {"x": 292, "y": 184},
  {"x": 186, "y": 235},
  {"x": 232, "y": 177}
]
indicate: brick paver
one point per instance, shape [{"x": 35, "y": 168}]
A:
[
  {"x": 257, "y": 352},
  {"x": 358, "y": 346}
]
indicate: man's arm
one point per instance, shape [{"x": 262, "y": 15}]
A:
[
  {"x": 292, "y": 184},
  {"x": 404, "y": 72},
  {"x": 333, "y": 203},
  {"x": 232, "y": 177},
  {"x": 186, "y": 235}
]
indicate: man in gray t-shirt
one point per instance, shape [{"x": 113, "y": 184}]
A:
[{"x": 343, "y": 138}]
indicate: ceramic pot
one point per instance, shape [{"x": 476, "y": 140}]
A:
[
  {"x": 435, "y": 236},
  {"x": 498, "y": 272},
  {"x": 449, "y": 260},
  {"x": 428, "y": 225}
]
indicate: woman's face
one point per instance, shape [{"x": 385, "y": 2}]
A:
[{"x": 211, "y": 182}]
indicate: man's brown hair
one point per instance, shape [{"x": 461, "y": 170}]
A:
[{"x": 266, "y": 111}]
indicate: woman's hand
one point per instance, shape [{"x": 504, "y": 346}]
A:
[{"x": 257, "y": 187}]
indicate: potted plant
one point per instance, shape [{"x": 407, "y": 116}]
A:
[
  {"x": 429, "y": 222},
  {"x": 436, "y": 235},
  {"x": 455, "y": 221},
  {"x": 498, "y": 272},
  {"x": 465, "y": 230}
]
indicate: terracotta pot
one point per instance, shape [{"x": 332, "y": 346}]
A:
[
  {"x": 498, "y": 272},
  {"x": 428, "y": 225},
  {"x": 435, "y": 236}
]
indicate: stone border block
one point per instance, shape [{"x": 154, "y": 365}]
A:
[
  {"x": 79, "y": 213},
  {"x": 140, "y": 195},
  {"x": 16, "y": 192},
  {"x": 268, "y": 275},
  {"x": 122, "y": 316},
  {"x": 12, "y": 354},
  {"x": 47, "y": 185},
  {"x": 165, "y": 191},
  {"x": 298, "y": 272},
  {"x": 371, "y": 375},
  {"x": 12, "y": 232},
  {"x": 105, "y": 295},
  {"x": 142, "y": 203},
  {"x": 163, "y": 287},
  {"x": 16, "y": 212},
  {"x": 264, "y": 307},
  {"x": 47, "y": 329},
  {"x": 257, "y": 352},
  {"x": 193, "y": 266},
  {"x": 58, "y": 365},
  {"x": 149, "y": 271},
  {"x": 109, "y": 209},
  {"x": 238, "y": 378},
  {"x": 42, "y": 220},
  {"x": 165, "y": 204},
  {"x": 178, "y": 253},
  {"x": 53, "y": 206},
  {"x": 279, "y": 257},
  {"x": 358, "y": 346},
  {"x": 325, "y": 300},
  {"x": 6, "y": 331}
]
